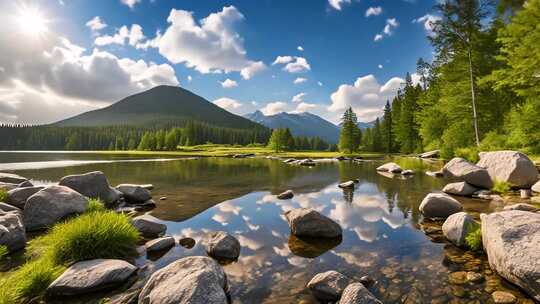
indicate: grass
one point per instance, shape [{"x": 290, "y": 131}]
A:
[
  {"x": 3, "y": 251},
  {"x": 3, "y": 195},
  {"x": 501, "y": 187},
  {"x": 95, "y": 205},
  {"x": 474, "y": 237},
  {"x": 95, "y": 234}
]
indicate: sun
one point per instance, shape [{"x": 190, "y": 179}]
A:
[{"x": 31, "y": 22}]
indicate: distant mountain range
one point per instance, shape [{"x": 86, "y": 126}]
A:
[
  {"x": 301, "y": 124},
  {"x": 160, "y": 106},
  {"x": 366, "y": 125}
]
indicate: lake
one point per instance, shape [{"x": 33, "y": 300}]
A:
[{"x": 384, "y": 235}]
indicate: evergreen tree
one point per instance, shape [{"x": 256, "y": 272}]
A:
[
  {"x": 350, "y": 135},
  {"x": 387, "y": 132}
]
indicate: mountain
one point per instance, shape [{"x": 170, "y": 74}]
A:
[
  {"x": 366, "y": 125},
  {"x": 160, "y": 106},
  {"x": 301, "y": 124}
]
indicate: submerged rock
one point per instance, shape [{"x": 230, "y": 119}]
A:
[
  {"x": 18, "y": 196},
  {"x": 310, "y": 223},
  {"x": 457, "y": 226},
  {"x": 356, "y": 293},
  {"x": 286, "y": 195},
  {"x": 308, "y": 247},
  {"x": 160, "y": 244},
  {"x": 191, "y": 280},
  {"x": 328, "y": 286},
  {"x": 459, "y": 168},
  {"x": 222, "y": 245},
  {"x": 148, "y": 226},
  {"x": 134, "y": 193},
  {"x": 512, "y": 167},
  {"x": 439, "y": 205},
  {"x": 459, "y": 188},
  {"x": 187, "y": 242},
  {"x": 390, "y": 167},
  {"x": 511, "y": 240},
  {"x": 503, "y": 297},
  {"x": 50, "y": 205},
  {"x": 92, "y": 185},
  {"x": 12, "y": 233},
  {"x": 11, "y": 178},
  {"x": 349, "y": 184},
  {"x": 522, "y": 207},
  {"x": 91, "y": 276}
]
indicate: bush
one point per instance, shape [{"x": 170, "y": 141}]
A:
[
  {"x": 3, "y": 195},
  {"x": 95, "y": 205},
  {"x": 470, "y": 154},
  {"x": 474, "y": 238},
  {"x": 501, "y": 187}
]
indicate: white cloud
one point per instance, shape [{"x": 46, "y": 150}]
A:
[
  {"x": 300, "y": 48},
  {"x": 274, "y": 108},
  {"x": 299, "y": 97},
  {"x": 336, "y": 4},
  {"x": 209, "y": 46},
  {"x": 189, "y": 78},
  {"x": 283, "y": 60},
  {"x": 130, "y": 3},
  {"x": 228, "y": 104},
  {"x": 380, "y": 66},
  {"x": 366, "y": 96},
  {"x": 96, "y": 24},
  {"x": 293, "y": 64},
  {"x": 388, "y": 30},
  {"x": 305, "y": 107},
  {"x": 299, "y": 80},
  {"x": 378, "y": 37},
  {"x": 228, "y": 83},
  {"x": 429, "y": 22},
  {"x": 320, "y": 83},
  {"x": 133, "y": 36},
  {"x": 374, "y": 11}
]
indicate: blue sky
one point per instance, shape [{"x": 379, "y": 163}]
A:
[{"x": 70, "y": 56}]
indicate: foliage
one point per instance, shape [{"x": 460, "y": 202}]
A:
[
  {"x": 3, "y": 251},
  {"x": 95, "y": 205},
  {"x": 501, "y": 187},
  {"x": 350, "y": 135},
  {"x": 470, "y": 154},
  {"x": 474, "y": 237},
  {"x": 3, "y": 195}
]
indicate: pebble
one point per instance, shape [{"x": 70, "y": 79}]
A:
[
  {"x": 162, "y": 198},
  {"x": 474, "y": 276},
  {"x": 458, "y": 278},
  {"x": 503, "y": 297}
]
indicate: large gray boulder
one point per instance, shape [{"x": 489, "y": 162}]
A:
[
  {"x": 511, "y": 240},
  {"x": 457, "y": 226},
  {"x": 12, "y": 233},
  {"x": 356, "y": 293},
  {"x": 50, "y": 205},
  {"x": 92, "y": 185},
  {"x": 390, "y": 167},
  {"x": 328, "y": 286},
  {"x": 310, "y": 223},
  {"x": 222, "y": 245},
  {"x": 12, "y": 178},
  {"x": 439, "y": 205},
  {"x": 190, "y": 280},
  {"x": 18, "y": 196},
  {"x": 461, "y": 169},
  {"x": 148, "y": 226},
  {"x": 512, "y": 167},
  {"x": 459, "y": 188},
  {"x": 134, "y": 193},
  {"x": 91, "y": 276}
]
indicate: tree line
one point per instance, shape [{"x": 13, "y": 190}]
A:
[{"x": 282, "y": 140}]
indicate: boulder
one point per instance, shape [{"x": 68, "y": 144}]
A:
[
  {"x": 439, "y": 205},
  {"x": 222, "y": 245},
  {"x": 286, "y": 195},
  {"x": 91, "y": 276},
  {"x": 390, "y": 167},
  {"x": 310, "y": 223},
  {"x": 50, "y": 205},
  {"x": 511, "y": 240},
  {"x": 430, "y": 154},
  {"x": 11, "y": 178},
  {"x": 512, "y": 167},
  {"x": 190, "y": 280},
  {"x": 7, "y": 208},
  {"x": 187, "y": 242},
  {"x": 349, "y": 184},
  {"x": 8, "y": 186},
  {"x": 93, "y": 185},
  {"x": 26, "y": 184},
  {"x": 134, "y": 193},
  {"x": 522, "y": 207},
  {"x": 18, "y": 196},
  {"x": 459, "y": 188},
  {"x": 461, "y": 169},
  {"x": 160, "y": 244},
  {"x": 12, "y": 233},
  {"x": 328, "y": 286},
  {"x": 457, "y": 226},
  {"x": 536, "y": 187},
  {"x": 407, "y": 172},
  {"x": 148, "y": 226},
  {"x": 356, "y": 293}
]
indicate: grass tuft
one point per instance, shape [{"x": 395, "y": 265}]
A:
[
  {"x": 3, "y": 251},
  {"x": 474, "y": 237},
  {"x": 3, "y": 195},
  {"x": 501, "y": 187},
  {"x": 95, "y": 205}
]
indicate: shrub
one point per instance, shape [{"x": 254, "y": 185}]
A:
[
  {"x": 95, "y": 205},
  {"x": 470, "y": 154},
  {"x": 501, "y": 187},
  {"x": 3, "y": 251},
  {"x": 474, "y": 237},
  {"x": 3, "y": 195}
]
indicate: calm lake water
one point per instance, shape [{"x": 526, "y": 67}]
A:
[{"x": 384, "y": 234}]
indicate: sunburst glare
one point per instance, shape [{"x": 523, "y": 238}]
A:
[{"x": 31, "y": 21}]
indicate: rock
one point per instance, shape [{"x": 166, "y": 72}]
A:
[
  {"x": 459, "y": 188},
  {"x": 503, "y": 297},
  {"x": 461, "y": 169},
  {"x": 536, "y": 187},
  {"x": 286, "y": 195},
  {"x": 457, "y": 278},
  {"x": 522, "y": 207},
  {"x": 160, "y": 244},
  {"x": 511, "y": 240},
  {"x": 92, "y": 185},
  {"x": 12, "y": 233},
  {"x": 390, "y": 167},
  {"x": 439, "y": 205},
  {"x": 306, "y": 162},
  {"x": 290, "y": 160},
  {"x": 407, "y": 172},
  {"x": 148, "y": 226},
  {"x": 187, "y": 242},
  {"x": 18, "y": 196},
  {"x": 349, "y": 184},
  {"x": 26, "y": 184},
  {"x": 134, "y": 193},
  {"x": 356, "y": 293},
  {"x": 512, "y": 167},
  {"x": 147, "y": 186},
  {"x": 222, "y": 245},
  {"x": 11, "y": 178},
  {"x": 190, "y": 280},
  {"x": 8, "y": 186},
  {"x": 7, "y": 208},
  {"x": 474, "y": 277},
  {"x": 435, "y": 173},
  {"x": 367, "y": 281},
  {"x": 457, "y": 226},
  {"x": 91, "y": 276},
  {"x": 525, "y": 193},
  {"x": 50, "y": 205},
  {"x": 163, "y": 198},
  {"x": 430, "y": 154},
  {"x": 310, "y": 223},
  {"x": 328, "y": 286}
]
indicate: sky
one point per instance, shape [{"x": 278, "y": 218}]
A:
[{"x": 59, "y": 58}]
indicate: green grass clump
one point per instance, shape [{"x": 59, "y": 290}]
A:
[
  {"x": 95, "y": 205},
  {"x": 3, "y": 195},
  {"x": 474, "y": 237},
  {"x": 3, "y": 251},
  {"x": 501, "y": 187}
]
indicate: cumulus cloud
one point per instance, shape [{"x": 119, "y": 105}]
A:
[
  {"x": 337, "y": 4},
  {"x": 283, "y": 60},
  {"x": 130, "y": 3},
  {"x": 96, "y": 24},
  {"x": 428, "y": 21},
  {"x": 305, "y": 107},
  {"x": 252, "y": 69},
  {"x": 388, "y": 30},
  {"x": 366, "y": 96},
  {"x": 299, "y": 80},
  {"x": 228, "y": 83},
  {"x": 228, "y": 104},
  {"x": 299, "y": 97},
  {"x": 274, "y": 108},
  {"x": 374, "y": 11},
  {"x": 133, "y": 36},
  {"x": 293, "y": 64}
]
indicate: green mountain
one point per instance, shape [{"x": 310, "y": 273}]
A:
[{"x": 159, "y": 106}]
